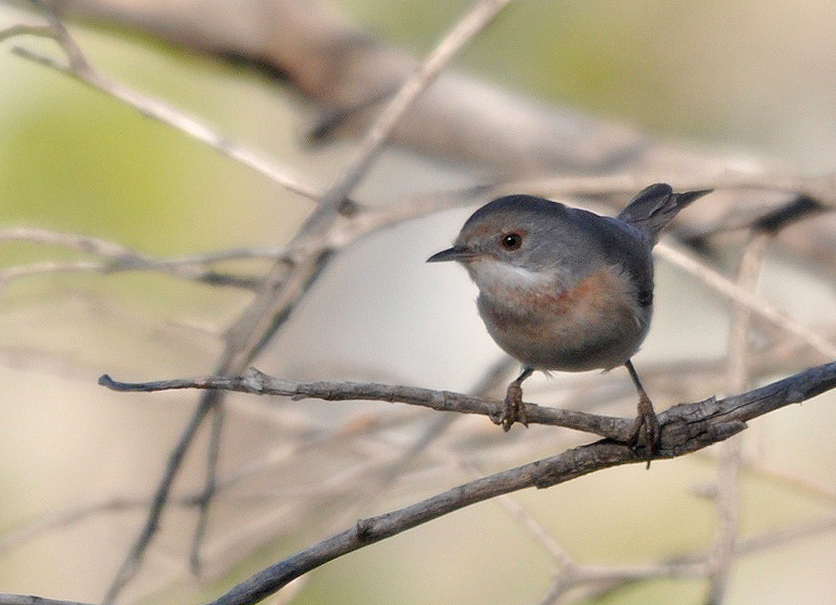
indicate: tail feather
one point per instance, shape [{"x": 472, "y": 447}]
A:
[{"x": 655, "y": 206}]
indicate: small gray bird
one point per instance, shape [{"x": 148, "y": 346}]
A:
[{"x": 565, "y": 289}]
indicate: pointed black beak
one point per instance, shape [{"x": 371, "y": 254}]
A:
[
  {"x": 689, "y": 196},
  {"x": 458, "y": 252}
]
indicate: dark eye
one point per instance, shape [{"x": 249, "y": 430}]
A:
[{"x": 511, "y": 241}]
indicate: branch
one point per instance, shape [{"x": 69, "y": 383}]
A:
[
  {"x": 339, "y": 68},
  {"x": 254, "y": 381},
  {"x": 22, "y": 599},
  {"x": 685, "y": 428},
  {"x": 600, "y": 581},
  {"x": 465, "y": 30},
  {"x": 78, "y": 68},
  {"x": 679, "y": 418},
  {"x": 290, "y": 278},
  {"x": 119, "y": 259},
  {"x": 727, "y": 483}
]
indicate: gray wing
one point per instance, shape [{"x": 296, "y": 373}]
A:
[{"x": 617, "y": 243}]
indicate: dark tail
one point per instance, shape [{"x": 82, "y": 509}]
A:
[{"x": 655, "y": 206}]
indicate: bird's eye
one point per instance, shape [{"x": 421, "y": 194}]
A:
[{"x": 511, "y": 241}]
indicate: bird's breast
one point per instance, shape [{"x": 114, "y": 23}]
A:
[{"x": 598, "y": 322}]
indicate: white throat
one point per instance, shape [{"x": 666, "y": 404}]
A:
[{"x": 491, "y": 274}]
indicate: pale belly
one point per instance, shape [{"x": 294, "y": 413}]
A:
[
  {"x": 573, "y": 333},
  {"x": 568, "y": 344}
]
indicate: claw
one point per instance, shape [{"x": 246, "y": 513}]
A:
[
  {"x": 646, "y": 431},
  {"x": 513, "y": 408}
]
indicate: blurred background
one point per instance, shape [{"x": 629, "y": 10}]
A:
[{"x": 756, "y": 78}]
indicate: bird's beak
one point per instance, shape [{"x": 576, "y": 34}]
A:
[
  {"x": 458, "y": 252},
  {"x": 689, "y": 196}
]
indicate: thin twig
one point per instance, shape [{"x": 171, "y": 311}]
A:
[
  {"x": 131, "y": 562},
  {"x": 257, "y": 382},
  {"x": 288, "y": 281},
  {"x": 474, "y": 21},
  {"x": 184, "y": 271},
  {"x": 536, "y": 531},
  {"x": 192, "y": 267},
  {"x": 210, "y": 486},
  {"x": 696, "y": 564},
  {"x": 20, "y": 29},
  {"x": 21, "y": 599},
  {"x": 490, "y": 381},
  {"x": 718, "y": 414},
  {"x": 726, "y": 287},
  {"x": 126, "y": 256},
  {"x": 820, "y": 187},
  {"x": 727, "y": 499},
  {"x": 151, "y": 107},
  {"x": 37, "y": 527}
]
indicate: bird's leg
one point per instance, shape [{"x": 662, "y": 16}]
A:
[
  {"x": 646, "y": 431},
  {"x": 514, "y": 409}
]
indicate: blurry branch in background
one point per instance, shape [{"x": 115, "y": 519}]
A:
[
  {"x": 579, "y": 582},
  {"x": 604, "y": 163},
  {"x": 727, "y": 492},
  {"x": 307, "y": 254},
  {"x": 119, "y": 258},
  {"x": 717, "y": 282},
  {"x": 347, "y": 74},
  {"x": 685, "y": 429},
  {"x": 79, "y": 68}
]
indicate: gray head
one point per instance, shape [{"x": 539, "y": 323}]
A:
[{"x": 535, "y": 235}]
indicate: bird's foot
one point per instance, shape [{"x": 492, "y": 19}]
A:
[
  {"x": 513, "y": 409},
  {"x": 646, "y": 431}
]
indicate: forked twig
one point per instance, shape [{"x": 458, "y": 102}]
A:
[{"x": 309, "y": 250}]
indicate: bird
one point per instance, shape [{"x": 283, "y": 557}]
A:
[{"x": 562, "y": 288}]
